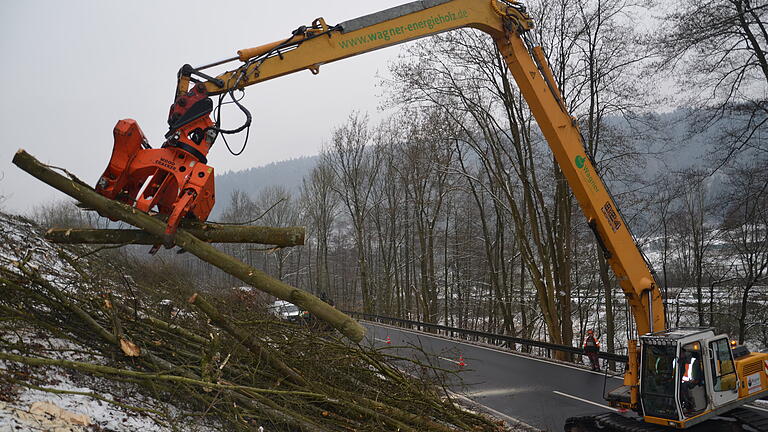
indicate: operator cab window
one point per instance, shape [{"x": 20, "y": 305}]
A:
[
  {"x": 723, "y": 369},
  {"x": 693, "y": 393},
  {"x": 658, "y": 381}
]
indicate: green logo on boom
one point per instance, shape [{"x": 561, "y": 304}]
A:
[
  {"x": 581, "y": 164},
  {"x": 580, "y": 160}
]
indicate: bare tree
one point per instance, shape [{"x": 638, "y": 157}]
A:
[
  {"x": 391, "y": 222},
  {"x": 65, "y": 214},
  {"x": 427, "y": 156},
  {"x": 321, "y": 205},
  {"x": 464, "y": 75},
  {"x": 492, "y": 221},
  {"x": 274, "y": 206},
  {"x": 356, "y": 165},
  {"x": 697, "y": 208},
  {"x": 240, "y": 209},
  {"x": 716, "y": 50},
  {"x": 746, "y": 231}
]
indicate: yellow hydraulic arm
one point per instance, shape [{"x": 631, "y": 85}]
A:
[{"x": 507, "y": 23}]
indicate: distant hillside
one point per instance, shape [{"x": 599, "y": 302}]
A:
[
  {"x": 288, "y": 173},
  {"x": 677, "y": 143}
]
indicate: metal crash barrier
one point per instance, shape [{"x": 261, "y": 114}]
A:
[{"x": 543, "y": 348}]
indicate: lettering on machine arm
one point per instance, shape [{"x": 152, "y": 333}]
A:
[
  {"x": 612, "y": 216},
  {"x": 398, "y": 32},
  {"x": 581, "y": 164}
]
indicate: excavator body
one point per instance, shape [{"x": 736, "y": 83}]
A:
[
  {"x": 689, "y": 375},
  {"x": 690, "y": 378}
]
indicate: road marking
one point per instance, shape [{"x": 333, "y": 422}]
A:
[
  {"x": 498, "y": 392},
  {"x": 498, "y": 414},
  {"x": 757, "y": 408},
  {"x": 584, "y": 400},
  {"x": 447, "y": 359},
  {"x": 497, "y": 350},
  {"x": 486, "y": 408}
]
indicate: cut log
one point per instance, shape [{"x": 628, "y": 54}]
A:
[
  {"x": 251, "y": 276},
  {"x": 211, "y": 233}
]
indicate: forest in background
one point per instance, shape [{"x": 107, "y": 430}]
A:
[{"x": 453, "y": 211}]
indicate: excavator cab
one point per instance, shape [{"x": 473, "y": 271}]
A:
[{"x": 686, "y": 373}]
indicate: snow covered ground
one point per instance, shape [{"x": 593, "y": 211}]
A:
[
  {"x": 24, "y": 412},
  {"x": 98, "y": 404},
  {"x": 65, "y": 400}
]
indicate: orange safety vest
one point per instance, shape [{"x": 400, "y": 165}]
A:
[{"x": 591, "y": 342}]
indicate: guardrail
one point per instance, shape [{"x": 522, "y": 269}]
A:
[{"x": 489, "y": 338}]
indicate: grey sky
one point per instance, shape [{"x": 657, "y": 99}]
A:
[{"x": 72, "y": 69}]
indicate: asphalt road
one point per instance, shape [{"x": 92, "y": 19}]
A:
[
  {"x": 515, "y": 385},
  {"x": 538, "y": 392}
]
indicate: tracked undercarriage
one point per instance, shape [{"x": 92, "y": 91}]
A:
[{"x": 737, "y": 420}]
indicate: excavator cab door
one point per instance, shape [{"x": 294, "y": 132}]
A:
[
  {"x": 692, "y": 385},
  {"x": 722, "y": 380},
  {"x": 658, "y": 381}
]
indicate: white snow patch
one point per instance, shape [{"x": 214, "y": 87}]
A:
[{"x": 103, "y": 414}]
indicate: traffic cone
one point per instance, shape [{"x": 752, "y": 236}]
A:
[
  {"x": 461, "y": 360},
  {"x": 389, "y": 341}
]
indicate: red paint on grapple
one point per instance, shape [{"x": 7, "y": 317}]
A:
[{"x": 168, "y": 180}]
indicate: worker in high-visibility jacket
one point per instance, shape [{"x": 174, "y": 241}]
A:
[{"x": 591, "y": 348}]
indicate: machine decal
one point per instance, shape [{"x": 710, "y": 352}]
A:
[
  {"x": 753, "y": 383},
  {"x": 171, "y": 165},
  {"x": 385, "y": 35},
  {"x": 612, "y": 216},
  {"x": 581, "y": 164},
  {"x": 580, "y": 161}
]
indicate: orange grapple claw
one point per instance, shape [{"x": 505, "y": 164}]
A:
[
  {"x": 170, "y": 180},
  {"x": 173, "y": 180}
]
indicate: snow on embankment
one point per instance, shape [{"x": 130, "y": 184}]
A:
[
  {"x": 88, "y": 336},
  {"x": 53, "y": 398}
]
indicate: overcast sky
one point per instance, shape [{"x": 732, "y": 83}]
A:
[{"x": 71, "y": 69}]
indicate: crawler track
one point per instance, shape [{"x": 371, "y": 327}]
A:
[{"x": 737, "y": 420}]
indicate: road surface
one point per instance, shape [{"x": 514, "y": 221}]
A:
[{"x": 538, "y": 392}]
